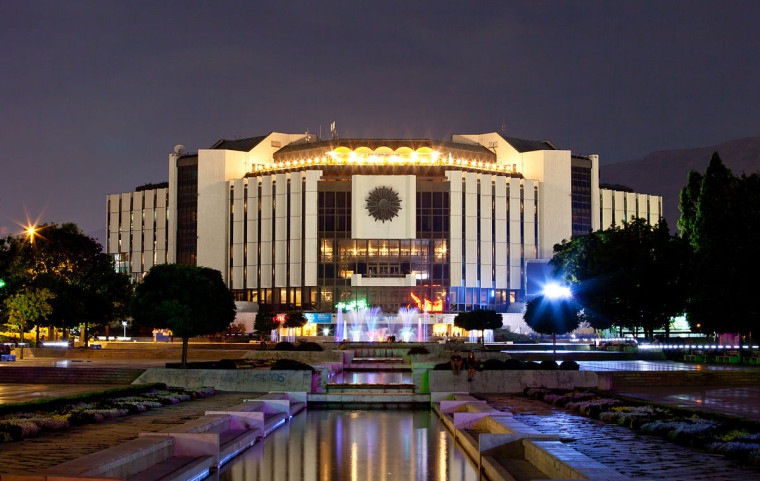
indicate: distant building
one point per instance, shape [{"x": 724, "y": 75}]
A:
[{"x": 302, "y": 223}]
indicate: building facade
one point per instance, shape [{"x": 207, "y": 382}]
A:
[{"x": 302, "y": 223}]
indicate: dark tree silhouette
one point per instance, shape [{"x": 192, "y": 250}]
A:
[
  {"x": 189, "y": 300},
  {"x": 478, "y": 320},
  {"x": 552, "y": 316}
]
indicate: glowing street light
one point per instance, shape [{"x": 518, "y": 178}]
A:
[
  {"x": 556, "y": 291},
  {"x": 124, "y": 323},
  {"x": 30, "y": 232}
]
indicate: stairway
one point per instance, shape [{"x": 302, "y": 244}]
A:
[
  {"x": 372, "y": 382},
  {"x": 63, "y": 375}
]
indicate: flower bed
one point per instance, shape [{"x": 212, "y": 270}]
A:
[
  {"x": 29, "y": 420},
  {"x": 715, "y": 434}
]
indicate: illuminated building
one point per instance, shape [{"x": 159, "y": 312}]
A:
[{"x": 302, "y": 223}]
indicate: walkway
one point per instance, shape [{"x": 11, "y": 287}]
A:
[
  {"x": 34, "y": 455},
  {"x": 741, "y": 401},
  {"x": 601, "y": 366},
  {"x": 622, "y": 449}
]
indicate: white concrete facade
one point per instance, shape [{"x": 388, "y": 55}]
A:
[{"x": 256, "y": 210}]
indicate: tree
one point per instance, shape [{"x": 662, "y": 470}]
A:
[
  {"x": 552, "y": 316},
  {"x": 73, "y": 267},
  {"x": 720, "y": 217},
  {"x": 478, "y": 320},
  {"x": 295, "y": 320},
  {"x": 28, "y": 305},
  {"x": 265, "y": 321},
  {"x": 189, "y": 300},
  {"x": 630, "y": 276}
]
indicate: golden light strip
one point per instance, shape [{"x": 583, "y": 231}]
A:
[{"x": 352, "y": 158}]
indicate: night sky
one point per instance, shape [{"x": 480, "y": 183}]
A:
[{"x": 95, "y": 94}]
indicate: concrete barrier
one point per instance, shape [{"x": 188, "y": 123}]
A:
[
  {"x": 236, "y": 380},
  {"x": 506, "y": 449},
  {"x": 510, "y": 381},
  {"x": 166, "y": 458}
]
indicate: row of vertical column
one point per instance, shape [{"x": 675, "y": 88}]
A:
[
  {"x": 274, "y": 230},
  {"x": 137, "y": 226},
  {"x": 493, "y": 229}
]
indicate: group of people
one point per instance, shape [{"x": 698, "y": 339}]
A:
[{"x": 471, "y": 363}]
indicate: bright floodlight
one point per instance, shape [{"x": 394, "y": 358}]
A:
[{"x": 556, "y": 291}]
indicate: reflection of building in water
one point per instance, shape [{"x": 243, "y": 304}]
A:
[
  {"x": 355, "y": 445},
  {"x": 302, "y": 223}
]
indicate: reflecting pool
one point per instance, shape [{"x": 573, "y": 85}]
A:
[{"x": 356, "y": 446}]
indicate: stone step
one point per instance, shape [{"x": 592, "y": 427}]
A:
[
  {"x": 379, "y": 360},
  {"x": 370, "y": 388},
  {"x": 378, "y": 367},
  {"x": 60, "y": 375},
  {"x": 368, "y": 400}
]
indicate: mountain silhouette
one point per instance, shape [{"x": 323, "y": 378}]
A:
[{"x": 665, "y": 172}]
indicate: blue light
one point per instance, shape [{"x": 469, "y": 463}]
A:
[{"x": 556, "y": 291}]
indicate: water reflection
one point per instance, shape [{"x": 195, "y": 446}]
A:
[
  {"x": 373, "y": 377},
  {"x": 355, "y": 446}
]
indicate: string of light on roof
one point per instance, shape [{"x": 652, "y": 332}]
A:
[{"x": 345, "y": 157}]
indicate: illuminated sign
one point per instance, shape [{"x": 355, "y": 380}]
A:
[
  {"x": 318, "y": 317},
  {"x": 427, "y": 305},
  {"x": 350, "y": 306}
]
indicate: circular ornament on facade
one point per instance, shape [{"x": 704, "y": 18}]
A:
[{"x": 383, "y": 203}]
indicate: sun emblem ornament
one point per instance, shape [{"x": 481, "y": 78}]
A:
[{"x": 383, "y": 203}]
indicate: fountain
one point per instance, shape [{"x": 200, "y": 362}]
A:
[
  {"x": 358, "y": 322},
  {"x": 362, "y": 324},
  {"x": 407, "y": 318},
  {"x": 487, "y": 336}
]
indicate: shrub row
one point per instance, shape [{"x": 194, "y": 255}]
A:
[
  {"x": 517, "y": 365},
  {"x": 733, "y": 438},
  {"x": 30, "y": 422}
]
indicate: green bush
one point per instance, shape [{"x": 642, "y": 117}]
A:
[
  {"x": 569, "y": 366},
  {"x": 309, "y": 346},
  {"x": 548, "y": 365},
  {"x": 284, "y": 346},
  {"x": 418, "y": 350},
  {"x": 492, "y": 365},
  {"x": 513, "y": 365},
  {"x": 291, "y": 365}
]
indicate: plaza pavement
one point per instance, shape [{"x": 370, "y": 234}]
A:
[{"x": 36, "y": 454}]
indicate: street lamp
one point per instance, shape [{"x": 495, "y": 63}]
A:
[
  {"x": 124, "y": 324},
  {"x": 557, "y": 291}
]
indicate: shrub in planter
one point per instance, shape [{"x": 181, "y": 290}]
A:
[
  {"x": 11, "y": 431},
  {"x": 631, "y": 416},
  {"x": 309, "y": 346},
  {"x": 291, "y": 365},
  {"x": 418, "y": 350},
  {"x": 563, "y": 398},
  {"x": 492, "y": 365},
  {"x": 284, "y": 346},
  {"x": 691, "y": 432},
  {"x": 593, "y": 408},
  {"x": 745, "y": 452},
  {"x": 513, "y": 365},
  {"x": 531, "y": 366},
  {"x": 548, "y": 365},
  {"x": 569, "y": 366},
  {"x": 536, "y": 392}
]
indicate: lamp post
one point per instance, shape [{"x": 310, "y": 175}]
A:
[{"x": 124, "y": 324}]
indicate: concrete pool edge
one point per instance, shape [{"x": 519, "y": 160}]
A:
[{"x": 496, "y": 443}]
